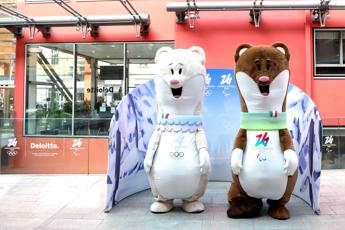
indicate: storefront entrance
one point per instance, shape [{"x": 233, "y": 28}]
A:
[
  {"x": 74, "y": 89},
  {"x": 71, "y": 93}
]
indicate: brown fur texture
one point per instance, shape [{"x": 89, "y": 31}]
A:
[{"x": 260, "y": 61}]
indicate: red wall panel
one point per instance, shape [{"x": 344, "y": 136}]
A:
[{"x": 220, "y": 33}]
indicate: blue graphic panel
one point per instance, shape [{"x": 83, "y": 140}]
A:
[
  {"x": 221, "y": 118},
  {"x": 135, "y": 118},
  {"x": 129, "y": 134}
]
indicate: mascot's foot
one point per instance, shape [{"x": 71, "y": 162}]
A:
[
  {"x": 161, "y": 206},
  {"x": 244, "y": 207},
  {"x": 278, "y": 212},
  {"x": 193, "y": 207}
]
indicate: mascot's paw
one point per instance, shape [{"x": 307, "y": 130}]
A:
[
  {"x": 278, "y": 212},
  {"x": 193, "y": 207},
  {"x": 291, "y": 162},
  {"x": 161, "y": 206},
  {"x": 236, "y": 160},
  {"x": 244, "y": 207},
  {"x": 205, "y": 167}
]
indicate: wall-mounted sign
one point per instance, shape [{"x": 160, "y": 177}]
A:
[
  {"x": 11, "y": 148},
  {"x": 330, "y": 157},
  {"x": 329, "y": 141},
  {"x": 43, "y": 146},
  {"x": 47, "y": 149},
  {"x": 77, "y": 146}
]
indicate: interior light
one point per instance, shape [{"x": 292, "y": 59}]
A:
[{"x": 35, "y": 50}]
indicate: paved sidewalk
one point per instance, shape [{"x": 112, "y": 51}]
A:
[{"x": 77, "y": 202}]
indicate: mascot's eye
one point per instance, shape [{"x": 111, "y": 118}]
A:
[
  {"x": 258, "y": 64},
  {"x": 268, "y": 64},
  {"x": 180, "y": 71},
  {"x": 172, "y": 71}
]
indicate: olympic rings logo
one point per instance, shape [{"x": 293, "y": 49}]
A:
[
  {"x": 12, "y": 153},
  {"x": 177, "y": 155}
]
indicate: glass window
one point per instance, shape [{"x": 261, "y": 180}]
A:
[
  {"x": 327, "y": 47},
  {"x": 329, "y": 53},
  {"x": 333, "y": 148},
  {"x": 49, "y": 92},
  {"x": 99, "y": 83},
  {"x": 7, "y": 57},
  {"x": 74, "y": 89},
  {"x": 141, "y": 62},
  {"x": 343, "y": 42},
  {"x": 6, "y": 112}
]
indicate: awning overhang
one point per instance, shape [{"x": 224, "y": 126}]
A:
[
  {"x": 45, "y": 23},
  {"x": 189, "y": 10}
]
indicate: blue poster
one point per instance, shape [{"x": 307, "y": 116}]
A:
[
  {"x": 134, "y": 122},
  {"x": 221, "y": 119}
]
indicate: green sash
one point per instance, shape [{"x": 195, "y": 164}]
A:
[{"x": 263, "y": 121}]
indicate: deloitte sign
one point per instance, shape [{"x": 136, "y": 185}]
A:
[
  {"x": 100, "y": 90},
  {"x": 43, "y": 146}
]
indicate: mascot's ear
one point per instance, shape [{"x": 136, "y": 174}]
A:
[
  {"x": 282, "y": 48},
  {"x": 240, "y": 50},
  {"x": 199, "y": 53},
  {"x": 162, "y": 52}
]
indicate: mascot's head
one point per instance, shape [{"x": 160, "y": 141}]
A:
[
  {"x": 262, "y": 76},
  {"x": 180, "y": 80}
]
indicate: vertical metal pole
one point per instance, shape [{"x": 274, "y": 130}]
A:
[
  {"x": 124, "y": 83},
  {"x": 74, "y": 85},
  {"x": 341, "y": 47},
  {"x": 25, "y": 115}
]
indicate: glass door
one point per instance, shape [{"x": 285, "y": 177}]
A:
[
  {"x": 99, "y": 87},
  {"x": 6, "y": 121},
  {"x": 6, "y": 109}
]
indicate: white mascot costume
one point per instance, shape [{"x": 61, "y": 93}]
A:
[{"x": 177, "y": 160}]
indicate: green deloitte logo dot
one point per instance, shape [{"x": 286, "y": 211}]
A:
[{"x": 176, "y": 155}]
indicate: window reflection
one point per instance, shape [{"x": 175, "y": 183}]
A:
[
  {"x": 49, "y": 89},
  {"x": 74, "y": 89},
  {"x": 99, "y": 83},
  {"x": 327, "y": 47}
]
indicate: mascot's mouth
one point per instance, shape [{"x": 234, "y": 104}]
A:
[
  {"x": 264, "y": 90},
  {"x": 177, "y": 92}
]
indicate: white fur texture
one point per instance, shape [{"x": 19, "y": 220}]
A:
[
  {"x": 185, "y": 178},
  {"x": 236, "y": 160},
  {"x": 187, "y": 67},
  {"x": 258, "y": 103}
]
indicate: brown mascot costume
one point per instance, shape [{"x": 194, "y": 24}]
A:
[{"x": 263, "y": 162}]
